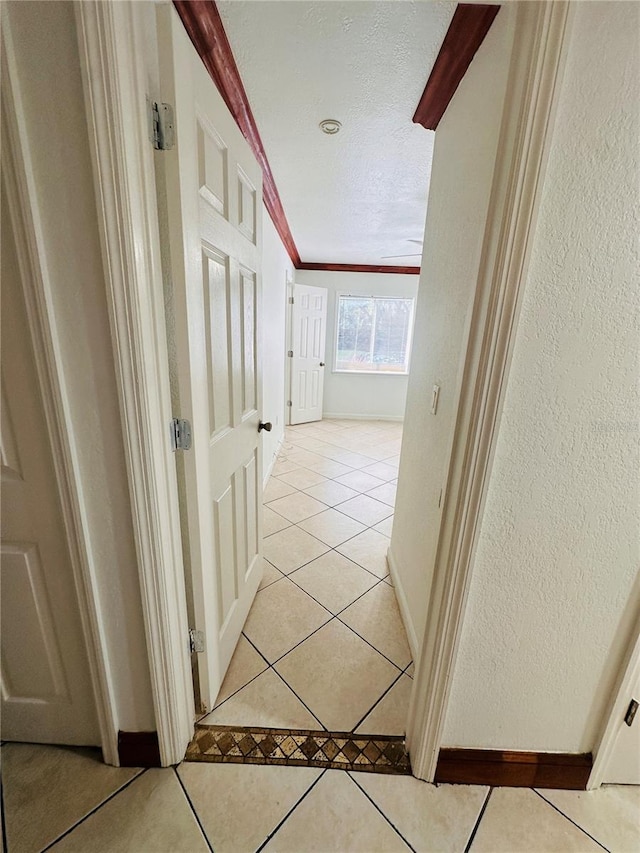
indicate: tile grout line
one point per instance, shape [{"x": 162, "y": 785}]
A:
[
  {"x": 376, "y": 806},
  {"x": 477, "y": 823},
  {"x": 300, "y": 699},
  {"x": 290, "y": 812},
  {"x": 566, "y": 817},
  {"x": 377, "y": 702},
  {"x": 94, "y": 810},
  {"x": 192, "y": 807}
]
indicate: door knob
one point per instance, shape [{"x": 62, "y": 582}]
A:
[
  {"x": 268, "y": 426},
  {"x": 322, "y": 364}
]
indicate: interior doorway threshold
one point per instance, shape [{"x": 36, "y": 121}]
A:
[{"x": 299, "y": 748}]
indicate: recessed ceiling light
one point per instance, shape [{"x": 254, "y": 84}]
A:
[{"x": 330, "y": 126}]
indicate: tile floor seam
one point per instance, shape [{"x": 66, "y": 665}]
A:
[
  {"x": 377, "y": 702},
  {"x": 95, "y": 809},
  {"x": 478, "y": 821},
  {"x": 192, "y": 807},
  {"x": 566, "y": 817},
  {"x": 300, "y": 699},
  {"x": 290, "y": 812},
  {"x": 368, "y": 642},
  {"x": 373, "y": 803},
  {"x": 330, "y": 547},
  {"x": 378, "y": 581},
  {"x": 335, "y": 479}
]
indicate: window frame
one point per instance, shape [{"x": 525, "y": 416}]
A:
[{"x": 336, "y": 369}]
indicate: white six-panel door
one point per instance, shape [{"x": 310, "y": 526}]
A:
[
  {"x": 309, "y": 329},
  {"x": 47, "y": 695},
  {"x": 214, "y": 208}
]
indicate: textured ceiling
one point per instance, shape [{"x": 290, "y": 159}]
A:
[{"x": 361, "y": 194}]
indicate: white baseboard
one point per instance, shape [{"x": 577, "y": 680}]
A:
[
  {"x": 267, "y": 473},
  {"x": 403, "y": 604},
  {"x": 350, "y": 416}
]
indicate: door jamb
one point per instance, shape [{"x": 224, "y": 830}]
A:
[
  {"x": 535, "y": 74},
  {"x": 629, "y": 671},
  {"x": 18, "y": 175},
  {"x": 112, "y": 39}
]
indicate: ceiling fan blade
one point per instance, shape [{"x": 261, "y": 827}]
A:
[{"x": 388, "y": 257}]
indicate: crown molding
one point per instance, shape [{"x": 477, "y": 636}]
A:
[{"x": 204, "y": 26}]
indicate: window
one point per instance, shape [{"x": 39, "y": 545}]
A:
[{"x": 374, "y": 334}]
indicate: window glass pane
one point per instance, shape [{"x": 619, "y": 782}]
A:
[
  {"x": 355, "y": 327},
  {"x": 373, "y": 334}
]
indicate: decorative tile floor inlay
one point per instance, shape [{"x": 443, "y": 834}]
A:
[{"x": 299, "y": 748}]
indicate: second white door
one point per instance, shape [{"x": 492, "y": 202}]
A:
[{"x": 309, "y": 330}]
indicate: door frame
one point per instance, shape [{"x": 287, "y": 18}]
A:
[
  {"x": 25, "y": 220},
  {"x": 117, "y": 79},
  {"x": 533, "y": 89},
  {"x": 112, "y": 47},
  {"x": 627, "y": 677}
]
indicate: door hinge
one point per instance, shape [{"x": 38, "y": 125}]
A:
[
  {"x": 180, "y": 434},
  {"x": 291, "y": 300},
  {"x": 196, "y": 641},
  {"x": 631, "y": 712},
  {"x": 289, "y": 403},
  {"x": 290, "y": 353},
  {"x": 161, "y": 125}
]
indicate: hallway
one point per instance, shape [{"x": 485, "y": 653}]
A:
[{"x": 324, "y": 646}]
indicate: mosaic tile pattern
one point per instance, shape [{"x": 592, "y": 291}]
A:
[{"x": 299, "y": 748}]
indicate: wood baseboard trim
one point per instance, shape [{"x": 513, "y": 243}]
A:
[
  {"x": 139, "y": 749},
  {"x": 512, "y": 769}
]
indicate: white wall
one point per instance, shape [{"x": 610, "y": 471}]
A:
[
  {"x": 354, "y": 395},
  {"x": 551, "y": 595},
  {"x": 463, "y": 164},
  {"x": 51, "y": 88},
  {"x": 277, "y": 270}
]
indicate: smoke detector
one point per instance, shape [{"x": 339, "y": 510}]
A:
[{"x": 330, "y": 126}]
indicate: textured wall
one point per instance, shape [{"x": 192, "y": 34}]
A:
[
  {"x": 277, "y": 269},
  {"x": 549, "y": 603},
  {"x": 357, "y": 196},
  {"x": 352, "y": 394},
  {"x": 460, "y": 185}
]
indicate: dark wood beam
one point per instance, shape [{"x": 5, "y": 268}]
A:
[
  {"x": 469, "y": 26},
  {"x": 360, "y": 268},
  {"x": 202, "y": 22}
]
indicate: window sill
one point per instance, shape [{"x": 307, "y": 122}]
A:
[{"x": 371, "y": 372}]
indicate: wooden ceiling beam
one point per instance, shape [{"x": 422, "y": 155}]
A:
[{"x": 469, "y": 25}]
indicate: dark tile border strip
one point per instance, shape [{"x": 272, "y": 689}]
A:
[{"x": 299, "y": 748}]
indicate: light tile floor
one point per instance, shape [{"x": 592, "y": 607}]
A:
[
  {"x": 65, "y": 799},
  {"x": 339, "y": 660},
  {"x": 324, "y": 646}
]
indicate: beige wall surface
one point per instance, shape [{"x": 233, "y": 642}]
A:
[
  {"x": 551, "y": 598},
  {"x": 463, "y": 165}
]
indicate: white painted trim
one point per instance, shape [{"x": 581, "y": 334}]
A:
[
  {"x": 627, "y": 678},
  {"x": 351, "y": 417},
  {"x": 22, "y": 196},
  {"x": 112, "y": 53},
  {"x": 403, "y": 604},
  {"x": 266, "y": 476},
  {"x": 532, "y": 92}
]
